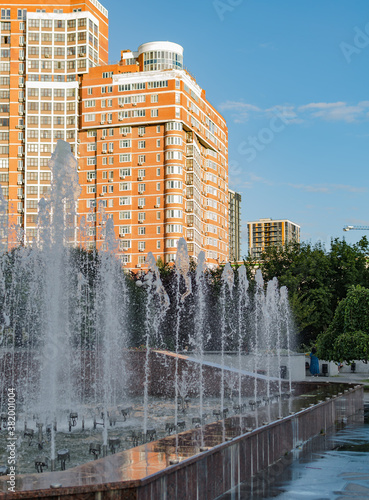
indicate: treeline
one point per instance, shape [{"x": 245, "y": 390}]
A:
[{"x": 317, "y": 280}]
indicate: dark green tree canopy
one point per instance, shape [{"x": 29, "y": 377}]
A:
[
  {"x": 317, "y": 279},
  {"x": 347, "y": 338}
]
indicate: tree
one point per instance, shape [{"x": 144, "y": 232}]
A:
[
  {"x": 316, "y": 279},
  {"x": 347, "y": 338}
]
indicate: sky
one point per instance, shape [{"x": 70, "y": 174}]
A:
[{"x": 291, "y": 79}]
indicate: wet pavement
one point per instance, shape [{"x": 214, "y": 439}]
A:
[{"x": 333, "y": 467}]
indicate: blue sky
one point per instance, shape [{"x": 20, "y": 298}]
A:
[{"x": 291, "y": 79}]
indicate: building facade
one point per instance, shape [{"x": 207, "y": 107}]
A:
[
  {"x": 44, "y": 53},
  {"x": 269, "y": 232},
  {"x": 153, "y": 155},
  {"x": 234, "y": 226},
  {"x": 152, "y": 151}
]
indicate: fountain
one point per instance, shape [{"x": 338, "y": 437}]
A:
[{"x": 92, "y": 411}]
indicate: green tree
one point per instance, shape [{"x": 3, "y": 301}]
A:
[{"x": 347, "y": 338}]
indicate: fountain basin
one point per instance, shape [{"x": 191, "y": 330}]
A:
[{"x": 145, "y": 472}]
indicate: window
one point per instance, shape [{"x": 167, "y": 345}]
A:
[
  {"x": 124, "y": 229},
  {"x": 125, "y": 143},
  {"x": 22, "y": 14},
  {"x": 89, "y": 91},
  {"x": 141, "y": 216},
  {"x": 124, "y": 245},
  {"x": 90, "y": 117},
  {"x": 124, "y": 171},
  {"x": 141, "y": 230},
  {"x": 90, "y": 103},
  {"x": 141, "y": 144},
  {"x": 125, "y": 186},
  {"x": 158, "y": 172},
  {"x": 156, "y": 85},
  {"x": 141, "y": 159},
  {"x": 158, "y": 229},
  {"x": 171, "y": 243},
  {"x": 158, "y": 143},
  {"x": 91, "y": 175},
  {"x": 174, "y": 228},
  {"x": 154, "y": 98},
  {"x": 141, "y": 246},
  {"x": 174, "y": 198},
  {"x": 5, "y": 13},
  {"x": 141, "y": 202},
  {"x": 173, "y": 155},
  {"x": 154, "y": 113},
  {"x": 141, "y": 188},
  {"x": 158, "y": 157},
  {"x": 124, "y": 158},
  {"x": 173, "y": 141},
  {"x": 174, "y": 169},
  {"x": 174, "y": 184},
  {"x": 141, "y": 130},
  {"x": 125, "y": 200},
  {"x": 125, "y": 130},
  {"x": 158, "y": 186},
  {"x": 173, "y": 126},
  {"x": 125, "y": 215},
  {"x": 174, "y": 214}
]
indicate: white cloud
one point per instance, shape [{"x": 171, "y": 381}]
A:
[
  {"x": 241, "y": 111},
  {"x": 328, "y": 188},
  {"x": 328, "y": 111}
]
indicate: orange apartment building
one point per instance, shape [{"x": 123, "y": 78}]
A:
[{"x": 151, "y": 150}]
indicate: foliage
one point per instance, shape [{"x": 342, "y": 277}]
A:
[
  {"x": 347, "y": 338},
  {"x": 317, "y": 279}
]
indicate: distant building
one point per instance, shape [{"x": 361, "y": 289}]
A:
[
  {"x": 234, "y": 226},
  {"x": 268, "y": 232}
]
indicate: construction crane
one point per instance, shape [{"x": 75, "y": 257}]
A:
[{"x": 358, "y": 228}]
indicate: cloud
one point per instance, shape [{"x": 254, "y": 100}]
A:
[
  {"x": 328, "y": 188},
  {"x": 337, "y": 111},
  {"x": 256, "y": 178},
  {"x": 310, "y": 188},
  {"x": 328, "y": 111},
  {"x": 241, "y": 111},
  {"x": 267, "y": 45}
]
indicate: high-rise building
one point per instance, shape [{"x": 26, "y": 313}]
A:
[
  {"x": 151, "y": 150},
  {"x": 153, "y": 154},
  {"x": 44, "y": 53},
  {"x": 269, "y": 232},
  {"x": 234, "y": 226}
]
